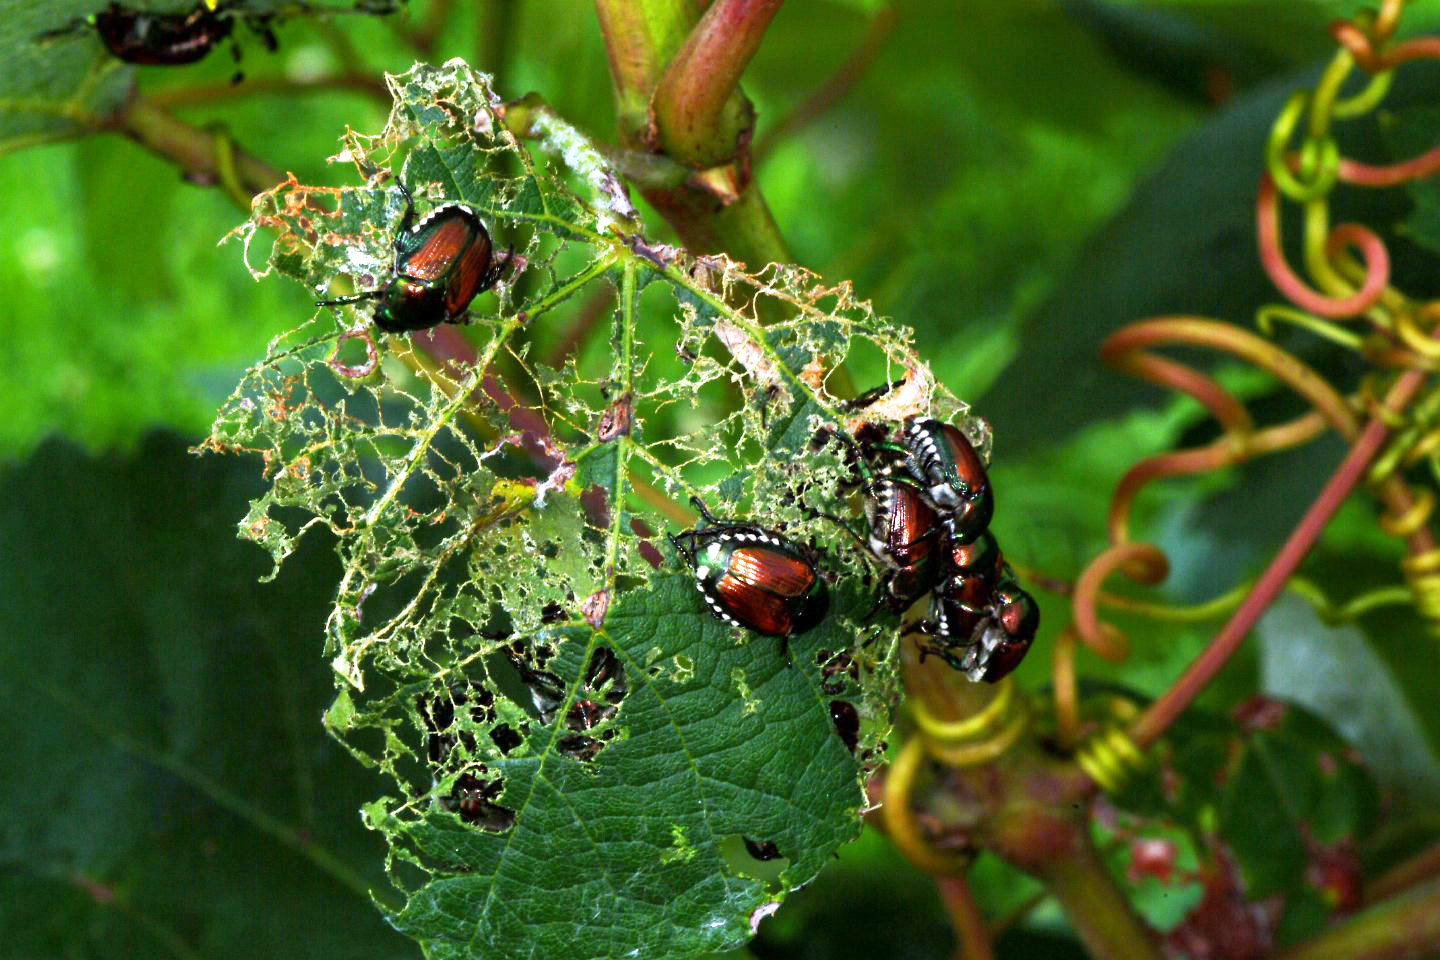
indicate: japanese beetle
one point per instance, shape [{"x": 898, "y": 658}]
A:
[
  {"x": 943, "y": 461},
  {"x": 940, "y": 461},
  {"x": 903, "y": 534},
  {"x": 985, "y": 643},
  {"x": 972, "y": 569},
  {"x": 904, "y": 529},
  {"x": 148, "y": 38},
  {"x": 1015, "y": 618},
  {"x": 441, "y": 264},
  {"x": 752, "y": 577}
]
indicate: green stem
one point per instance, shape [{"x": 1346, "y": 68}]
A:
[
  {"x": 1406, "y": 927},
  {"x": 625, "y": 374},
  {"x": 204, "y": 156},
  {"x": 720, "y": 212},
  {"x": 701, "y": 117},
  {"x": 1094, "y": 904},
  {"x": 641, "y": 36}
]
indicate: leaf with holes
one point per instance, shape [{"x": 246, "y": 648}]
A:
[{"x": 584, "y": 759}]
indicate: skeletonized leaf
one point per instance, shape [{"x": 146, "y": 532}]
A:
[{"x": 579, "y": 749}]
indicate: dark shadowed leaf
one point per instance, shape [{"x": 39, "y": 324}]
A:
[{"x": 168, "y": 783}]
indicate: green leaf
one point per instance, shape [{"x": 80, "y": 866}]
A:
[
  {"x": 1335, "y": 671},
  {"x": 57, "y": 88},
  {"x": 1159, "y": 865},
  {"x": 1293, "y": 788},
  {"x": 573, "y": 740},
  {"x": 1284, "y": 795},
  {"x": 713, "y": 740},
  {"x": 1409, "y": 133},
  {"x": 166, "y": 782}
]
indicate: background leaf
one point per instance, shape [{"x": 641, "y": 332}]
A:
[{"x": 167, "y": 781}]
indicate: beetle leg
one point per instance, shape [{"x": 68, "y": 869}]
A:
[
  {"x": 866, "y": 478},
  {"x": 859, "y": 540},
  {"x": 497, "y": 269},
  {"x": 880, "y": 603},
  {"x": 952, "y": 661},
  {"x": 770, "y": 391},
  {"x": 78, "y": 25},
  {"x": 686, "y": 551},
  {"x": 409, "y": 218},
  {"x": 926, "y": 628}
]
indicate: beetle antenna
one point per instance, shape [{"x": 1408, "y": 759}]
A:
[
  {"x": 879, "y": 604},
  {"x": 355, "y": 298},
  {"x": 687, "y": 552},
  {"x": 70, "y": 29},
  {"x": 870, "y": 396},
  {"x": 699, "y": 504},
  {"x": 409, "y": 217}
]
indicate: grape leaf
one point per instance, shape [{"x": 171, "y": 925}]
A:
[
  {"x": 1294, "y": 792},
  {"x": 57, "y": 88},
  {"x": 578, "y": 745},
  {"x": 166, "y": 783},
  {"x": 1337, "y": 671}
]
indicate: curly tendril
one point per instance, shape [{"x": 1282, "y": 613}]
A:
[{"x": 1347, "y": 278}]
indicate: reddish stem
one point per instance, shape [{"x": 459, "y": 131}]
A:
[
  {"x": 971, "y": 935},
  {"x": 195, "y": 151},
  {"x": 1416, "y": 168},
  {"x": 1141, "y": 562},
  {"x": 1425, "y": 865},
  {"x": 702, "y": 120},
  {"x": 1162, "y": 713}
]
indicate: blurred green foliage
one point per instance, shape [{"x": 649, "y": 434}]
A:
[{"x": 1013, "y": 179}]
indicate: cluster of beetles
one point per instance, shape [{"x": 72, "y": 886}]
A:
[
  {"x": 927, "y": 507},
  {"x": 927, "y": 497}
]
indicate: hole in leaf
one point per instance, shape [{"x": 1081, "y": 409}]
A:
[
  {"x": 760, "y": 859},
  {"x": 439, "y": 713},
  {"x": 581, "y": 748},
  {"x": 847, "y": 722},
  {"x": 473, "y": 799},
  {"x": 834, "y": 669},
  {"x": 761, "y": 850},
  {"x": 505, "y": 738}
]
